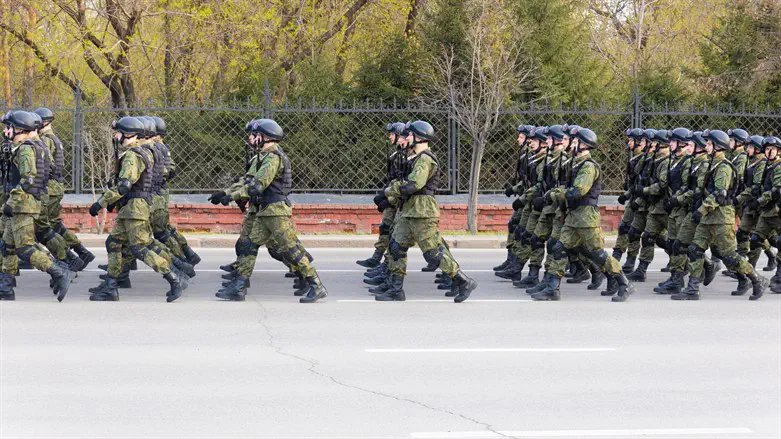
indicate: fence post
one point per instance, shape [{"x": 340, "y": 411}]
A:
[
  {"x": 452, "y": 148},
  {"x": 78, "y": 122}
]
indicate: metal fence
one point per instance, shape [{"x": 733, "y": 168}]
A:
[{"x": 342, "y": 147}]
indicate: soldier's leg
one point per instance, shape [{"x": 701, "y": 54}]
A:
[
  {"x": 533, "y": 249},
  {"x": 549, "y": 289},
  {"x": 10, "y": 263},
  {"x": 158, "y": 220},
  {"x": 402, "y": 239},
  {"x": 696, "y": 261},
  {"x": 592, "y": 242},
  {"x": 635, "y": 234},
  {"x": 724, "y": 243},
  {"x": 747, "y": 223},
  {"x": 46, "y": 235},
  {"x": 512, "y": 224},
  {"x": 677, "y": 255},
  {"x": 622, "y": 240},
  {"x": 23, "y": 226},
  {"x": 519, "y": 248},
  {"x": 655, "y": 226}
]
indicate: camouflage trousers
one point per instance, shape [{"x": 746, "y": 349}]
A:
[
  {"x": 162, "y": 230},
  {"x": 53, "y": 210},
  {"x": 45, "y": 233},
  {"x": 133, "y": 238},
  {"x": 683, "y": 239},
  {"x": 278, "y": 233},
  {"x": 622, "y": 241},
  {"x": 588, "y": 242},
  {"x": 767, "y": 228},
  {"x": 721, "y": 240},
  {"x": 383, "y": 241},
  {"x": 748, "y": 222},
  {"x": 529, "y": 218},
  {"x": 677, "y": 252},
  {"x": 636, "y": 228},
  {"x": 556, "y": 229},
  {"x": 19, "y": 240},
  {"x": 515, "y": 220},
  {"x": 542, "y": 231},
  {"x": 655, "y": 233},
  {"x": 425, "y": 233}
]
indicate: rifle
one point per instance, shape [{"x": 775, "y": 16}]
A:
[
  {"x": 701, "y": 196},
  {"x": 523, "y": 153},
  {"x": 115, "y": 178},
  {"x": 247, "y": 156},
  {"x": 628, "y": 178},
  {"x": 6, "y": 163}
]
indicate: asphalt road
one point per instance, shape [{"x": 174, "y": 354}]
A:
[{"x": 497, "y": 365}]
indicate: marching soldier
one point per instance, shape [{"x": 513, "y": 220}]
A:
[
  {"x": 53, "y": 209},
  {"x": 769, "y": 223},
  {"x": 24, "y": 184},
  {"x": 637, "y": 203},
  {"x": 635, "y": 144},
  {"x": 715, "y": 219},
  {"x": 419, "y": 221},
  {"x": 131, "y": 193},
  {"x": 582, "y": 232},
  {"x": 267, "y": 188},
  {"x": 754, "y": 174}
]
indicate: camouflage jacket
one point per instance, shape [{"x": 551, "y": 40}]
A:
[
  {"x": 417, "y": 206},
  {"x": 722, "y": 178},
  {"x": 132, "y": 166},
  {"x": 268, "y": 167},
  {"x": 766, "y": 199},
  {"x": 23, "y": 157},
  {"x": 656, "y": 192}
]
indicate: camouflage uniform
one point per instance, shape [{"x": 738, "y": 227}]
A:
[
  {"x": 640, "y": 206},
  {"x": 656, "y": 217},
  {"x": 748, "y": 220},
  {"x": 44, "y": 232},
  {"x": 622, "y": 240},
  {"x": 679, "y": 213},
  {"x": 769, "y": 223}
]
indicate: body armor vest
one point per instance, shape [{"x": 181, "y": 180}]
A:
[
  {"x": 751, "y": 170},
  {"x": 733, "y": 189},
  {"x": 592, "y": 197},
  {"x": 549, "y": 179},
  {"x": 58, "y": 160},
  {"x": 280, "y": 187},
  {"x": 143, "y": 186},
  {"x": 432, "y": 184},
  {"x": 395, "y": 167},
  {"x": 15, "y": 177},
  {"x": 43, "y": 166},
  {"x": 166, "y": 162},
  {"x": 767, "y": 179},
  {"x": 675, "y": 179},
  {"x": 158, "y": 168}
]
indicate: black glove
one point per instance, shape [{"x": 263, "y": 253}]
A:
[
  {"x": 7, "y": 210},
  {"x": 754, "y": 204},
  {"x": 95, "y": 208},
  {"x": 111, "y": 207},
  {"x": 538, "y": 203},
  {"x": 379, "y": 198},
  {"x": 696, "y": 216},
  {"x": 518, "y": 233},
  {"x": 216, "y": 197},
  {"x": 226, "y": 200},
  {"x": 382, "y": 205},
  {"x": 548, "y": 198},
  {"x": 508, "y": 190},
  {"x": 242, "y": 205},
  {"x": 668, "y": 206},
  {"x": 622, "y": 199},
  {"x": 633, "y": 205},
  {"x": 517, "y": 204}
]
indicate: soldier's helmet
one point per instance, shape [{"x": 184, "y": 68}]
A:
[
  {"x": 771, "y": 141},
  {"x": 421, "y": 129},
  {"x": 129, "y": 126},
  {"x": 22, "y": 120},
  {"x": 557, "y": 132},
  {"x": 248, "y": 126},
  {"x": 396, "y": 128},
  {"x": 150, "y": 129},
  {"x": 268, "y": 128},
  {"x": 698, "y": 138},
  {"x": 681, "y": 134},
  {"x": 586, "y": 136},
  {"x": 38, "y": 121},
  {"x": 45, "y": 113},
  {"x": 648, "y": 133},
  {"x": 740, "y": 135},
  {"x": 634, "y": 133},
  {"x": 662, "y": 136},
  {"x": 541, "y": 133},
  {"x": 525, "y": 129},
  {"x": 756, "y": 142},
  {"x": 719, "y": 138},
  {"x": 160, "y": 127},
  {"x": 573, "y": 129}
]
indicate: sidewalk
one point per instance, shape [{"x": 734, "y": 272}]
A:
[{"x": 331, "y": 241}]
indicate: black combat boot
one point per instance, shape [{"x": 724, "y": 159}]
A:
[
  {"x": 291, "y": 275},
  {"x": 666, "y": 268},
  {"x": 617, "y": 254},
  {"x": 230, "y": 275},
  {"x": 182, "y": 266},
  {"x": 759, "y": 285},
  {"x": 233, "y": 266},
  {"x": 625, "y": 288},
  {"x": 316, "y": 292},
  {"x": 176, "y": 287},
  {"x": 430, "y": 267},
  {"x": 580, "y": 274},
  {"x": 446, "y": 284},
  {"x": 513, "y": 272},
  {"x": 62, "y": 277},
  {"x": 743, "y": 284},
  {"x": 381, "y": 289},
  {"x": 85, "y": 255},
  {"x": 709, "y": 271},
  {"x": 673, "y": 286},
  {"x": 301, "y": 286},
  {"x": 463, "y": 286},
  {"x": 7, "y": 287},
  {"x": 503, "y": 265},
  {"x": 664, "y": 283},
  {"x": 571, "y": 270},
  {"x": 103, "y": 267},
  {"x": 396, "y": 291},
  {"x": 629, "y": 265},
  {"x": 551, "y": 291},
  {"x": 106, "y": 292},
  {"x": 381, "y": 271},
  {"x": 692, "y": 290},
  {"x": 453, "y": 290},
  {"x": 776, "y": 277},
  {"x": 639, "y": 275},
  {"x": 530, "y": 280},
  {"x": 597, "y": 277},
  {"x": 372, "y": 261},
  {"x": 543, "y": 284},
  {"x": 133, "y": 264},
  {"x": 236, "y": 291},
  {"x": 771, "y": 261},
  {"x": 191, "y": 256},
  {"x": 378, "y": 280},
  {"x": 74, "y": 261},
  {"x": 612, "y": 287},
  {"x": 123, "y": 280}
]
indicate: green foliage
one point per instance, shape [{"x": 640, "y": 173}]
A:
[
  {"x": 660, "y": 87},
  {"x": 389, "y": 75}
]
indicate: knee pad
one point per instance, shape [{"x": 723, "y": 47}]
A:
[
  {"x": 274, "y": 254},
  {"x": 537, "y": 242},
  {"x": 634, "y": 234},
  {"x": 663, "y": 243},
  {"x": 113, "y": 245},
  {"x": 549, "y": 244},
  {"x": 162, "y": 235},
  {"x": 59, "y": 228},
  {"x": 397, "y": 251},
  {"x": 599, "y": 256},
  {"x": 731, "y": 260},
  {"x": 294, "y": 255},
  {"x": 716, "y": 253},
  {"x": 756, "y": 241},
  {"x": 742, "y": 235},
  {"x": 675, "y": 247},
  {"x": 139, "y": 251},
  {"x": 245, "y": 247},
  {"x": 434, "y": 257},
  {"x": 623, "y": 228},
  {"x": 558, "y": 250},
  {"x": 648, "y": 239},
  {"x": 25, "y": 252},
  {"x": 695, "y": 252},
  {"x": 385, "y": 229}
]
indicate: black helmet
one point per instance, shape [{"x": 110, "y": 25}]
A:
[
  {"x": 129, "y": 126},
  {"x": 22, "y": 120},
  {"x": 38, "y": 121},
  {"x": 248, "y": 126},
  {"x": 771, "y": 141},
  {"x": 586, "y": 136},
  {"x": 648, "y": 133},
  {"x": 719, "y": 138},
  {"x": 150, "y": 129},
  {"x": 681, "y": 134},
  {"x": 396, "y": 128},
  {"x": 421, "y": 129},
  {"x": 540, "y": 133},
  {"x": 159, "y": 126},
  {"x": 756, "y": 142},
  {"x": 45, "y": 113},
  {"x": 635, "y": 133},
  {"x": 268, "y": 128},
  {"x": 662, "y": 136},
  {"x": 525, "y": 129},
  {"x": 740, "y": 135},
  {"x": 698, "y": 138},
  {"x": 558, "y": 132},
  {"x": 573, "y": 129}
]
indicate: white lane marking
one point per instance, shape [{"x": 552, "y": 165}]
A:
[
  {"x": 582, "y": 433},
  {"x": 480, "y": 350},
  {"x": 437, "y": 300}
]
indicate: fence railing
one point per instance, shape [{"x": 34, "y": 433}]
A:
[{"x": 342, "y": 147}]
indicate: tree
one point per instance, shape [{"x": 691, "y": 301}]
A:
[{"x": 477, "y": 79}]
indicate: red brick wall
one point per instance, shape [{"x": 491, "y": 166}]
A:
[{"x": 318, "y": 218}]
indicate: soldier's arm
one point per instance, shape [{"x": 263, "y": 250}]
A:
[
  {"x": 131, "y": 170},
  {"x": 27, "y": 170},
  {"x": 171, "y": 169},
  {"x": 583, "y": 181},
  {"x": 418, "y": 177},
  {"x": 722, "y": 177},
  {"x": 262, "y": 178},
  {"x": 660, "y": 186}
]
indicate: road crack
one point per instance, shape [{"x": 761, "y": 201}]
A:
[{"x": 312, "y": 367}]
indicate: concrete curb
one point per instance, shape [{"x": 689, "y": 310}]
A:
[{"x": 332, "y": 241}]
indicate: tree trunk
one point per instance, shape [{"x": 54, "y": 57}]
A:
[
  {"x": 478, "y": 149},
  {"x": 5, "y": 66},
  {"x": 168, "y": 60},
  {"x": 29, "y": 58}
]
